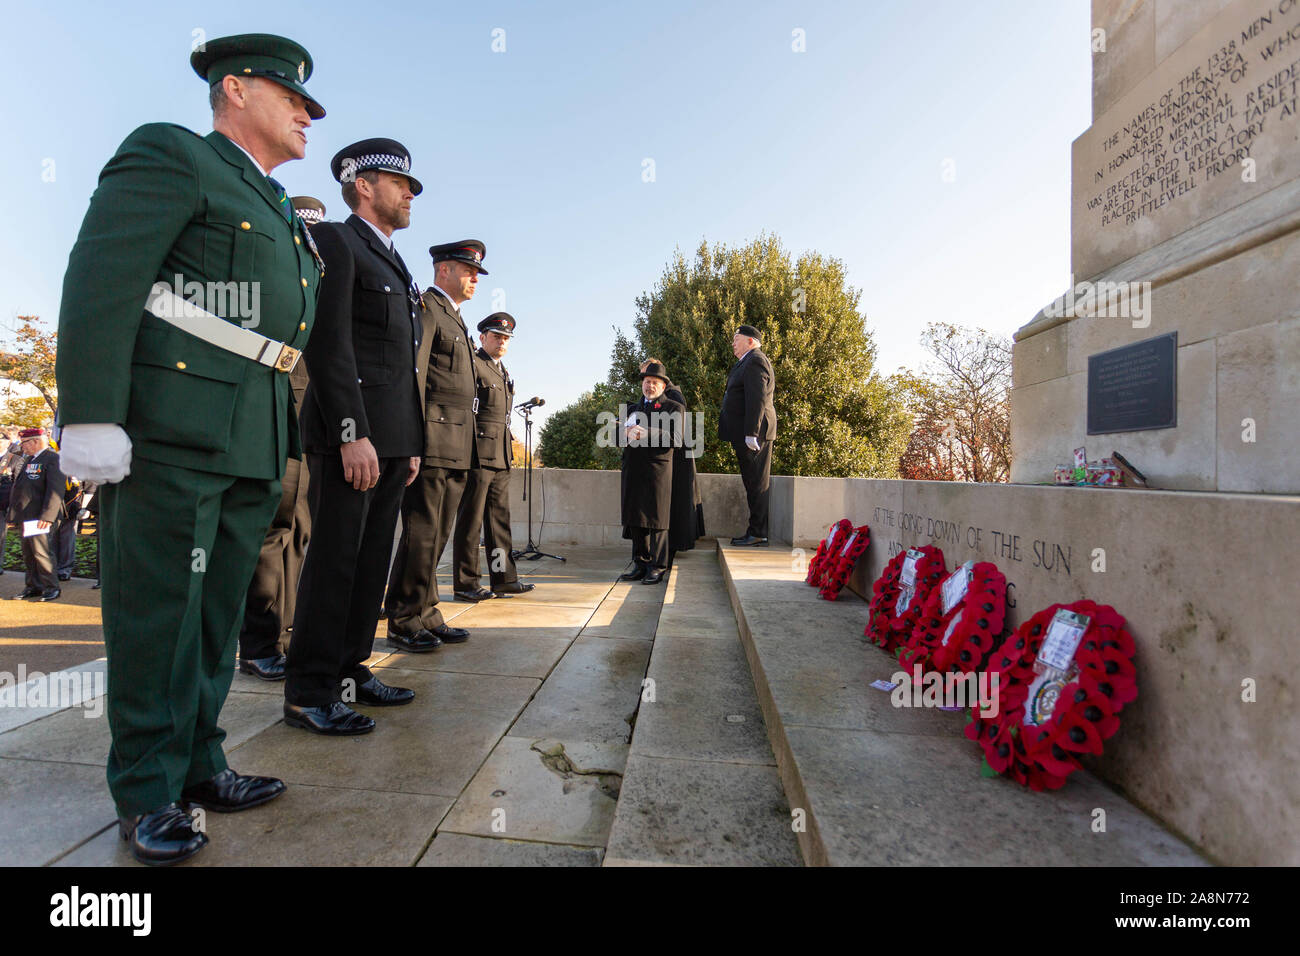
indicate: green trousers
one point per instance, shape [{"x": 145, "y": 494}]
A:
[{"x": 177, "y": 551}]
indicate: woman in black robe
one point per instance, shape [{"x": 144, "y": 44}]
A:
[
  {"x": 650, "y": 445},
  {"x": 686, "y": 515}
]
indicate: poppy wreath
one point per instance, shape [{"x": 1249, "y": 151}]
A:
[
  {"x": 842, "y": 561},
  {"x": 1087, "y": 708},
  {"x": 982, "y": 613},
  {"x": 834, "y": 539},
  {"x": 884, "y": 626}
]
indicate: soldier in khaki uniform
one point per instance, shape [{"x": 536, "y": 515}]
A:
[
  {"x": 485, "y": 506},
  {"x": 185, "y": 415}
]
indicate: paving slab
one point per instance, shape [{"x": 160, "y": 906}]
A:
[
  {"x": 308, "y": 826},
  {"x": 697, "y": 813},
  {"x": 489, "y": 651},
  {"x": 513, "y": 617},
  {"x": 885, "y": 799},
  {"x": 542, "y": 790},
  {"x": 591, "y": 695},
  {"x": 71, "y": 737},
  {"x": 560, "y": 593},
  {"x": 636, "y": 591},
  {"x": 698, "y": 619},
  {"x": 47, "y": 808},
  {"x": 432, "y": 745},
  {"x": 81, "y": 686},
  {"x": 629, "y": 620},
  {"x": 704, "y": 706},
  {"x": 457, "y": 849},
  {"x": 49, "y": 635}
]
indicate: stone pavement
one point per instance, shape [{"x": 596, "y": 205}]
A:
[
  {"x": 886, "y": 785},
  {"x": 514, "y": 752},
  {"x": 48, "y": 636}
]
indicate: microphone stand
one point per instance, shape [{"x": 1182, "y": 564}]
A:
[{"x": 531, "y": 552}]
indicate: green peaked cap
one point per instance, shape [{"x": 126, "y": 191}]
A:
[{"x": 257, "y": 54}]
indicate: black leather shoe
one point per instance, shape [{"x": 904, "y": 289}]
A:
[
  {"x": 421, "y": 642},
  {"x": 332, "y": 720},
  {"x": 97, "y": 585},
  {"x": 479, "y": 594},
  {"x": 229, "y": 792},
  {"x": 65, "y": 576},
  {"x": 749, "y": 541},
  {"x": 263, "y": 668},
  {"x": 378, "y": 694},
  {"x": 654, "y": 576},
  {"x": 514, "y": 587},
  {"x": 26, "y": 593},
  {"x": 162, "y": 836},
  {"x": 51, "y": 594},
  {"x": 635, "y": 575},
  {"x": 450, "y": 635}
]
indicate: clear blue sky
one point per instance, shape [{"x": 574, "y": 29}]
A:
[{"x": 538, "y": 150}]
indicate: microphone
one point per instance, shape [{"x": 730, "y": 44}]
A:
[{"x": 533, "y": 402}]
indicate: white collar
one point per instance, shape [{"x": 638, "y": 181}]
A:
[
  {"x": 387, "y": 240},
  {"x": 256, "y": 164},
  {"x": 447, "y": 296}
]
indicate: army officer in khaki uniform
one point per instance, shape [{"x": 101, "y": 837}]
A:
[
  {"x": 487, "y": 488},
  {"x": 185, "y": 415}
]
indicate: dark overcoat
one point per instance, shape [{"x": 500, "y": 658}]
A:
[{"x": 648, "y": 464}]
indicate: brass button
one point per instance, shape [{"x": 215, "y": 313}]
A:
[
  {"x": 297, "y": 241},
  {"x": 247, "y": 70},
  {"x": 301, "y": 326},
  {"x": 245, "y": 225},
  {"x": 180, "y": 365},
  {"x": 304, "y": 283}
]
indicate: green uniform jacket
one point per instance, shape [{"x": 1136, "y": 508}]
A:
[{"x": 170, "y": 203}]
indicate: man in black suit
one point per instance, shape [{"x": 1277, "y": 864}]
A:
[
  {"x": 363, "y": 433},
  {"x": 447, "y": 383},
  {"x": 748, "y": 421},
  {"x": 270, "y": 604},
  {"x": 37, "y": 495},
  {"x": 487, "y": 488}
]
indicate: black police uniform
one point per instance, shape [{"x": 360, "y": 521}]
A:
[
  {"x": 37, "y": 495},
  {"x": 446, "y": 374},
  {"x": 748, "y": 410},
  {"x": 488, "y": 486},
  {"x": 362, "y": 365}
]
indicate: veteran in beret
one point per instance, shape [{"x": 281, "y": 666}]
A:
[
  {"x": 188, "y": 294},
  {"x": 363, "y": 429},
  {"x": 485, "y": 505},
  {"x": 448, "y": 388}
]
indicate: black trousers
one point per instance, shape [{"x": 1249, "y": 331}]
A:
[
  {"x": 39, "y": 559},
  {"x": 756, "y": 473},
  {"x": 485, "y": 506},
  {"x": 428, "y": 513},
  {"x": 650, "y": 547},
  {"x": 342, "y": 580},
  {"x": 272, "y": 594},
  {"x": 65, "y": 544}
]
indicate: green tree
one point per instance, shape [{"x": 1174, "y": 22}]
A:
[
  {"x": 569, "y": 439},
  {"x": 836, "y": 416},
  {"x": 31, "y": 363}
]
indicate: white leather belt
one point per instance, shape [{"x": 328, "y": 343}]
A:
[{"x": 165, "y": 304}]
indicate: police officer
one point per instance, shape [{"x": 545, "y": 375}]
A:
[
  {"x": 269, "y": 607},
  {"x": 446, "y": 370},
  {"x": 37, "y": 495},
  {"x": 183, "y": 410},
  {"x": 488, "y": 485},
  {"x": 363, "y": 429}
]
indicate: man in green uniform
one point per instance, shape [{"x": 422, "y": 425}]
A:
[{"x": 188, "y": 294}]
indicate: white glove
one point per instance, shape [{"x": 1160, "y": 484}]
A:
[
  {"x": 751, "y": 443},
  {"x": 100, "y": 453}
]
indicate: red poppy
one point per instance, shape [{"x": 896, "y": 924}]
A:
[
  {"x": 887, "y": 625},
  {"x": 840, "y": 563}
]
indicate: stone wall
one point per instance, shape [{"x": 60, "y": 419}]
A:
[{"x": 1204, "y": 580}]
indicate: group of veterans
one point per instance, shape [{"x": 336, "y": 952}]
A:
[{"x": 211, "y": 422}]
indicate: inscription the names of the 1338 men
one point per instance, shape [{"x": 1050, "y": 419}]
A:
[{"x": 1203, "y": 126}]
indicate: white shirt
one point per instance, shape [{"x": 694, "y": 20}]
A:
[
  {"x": 447, "y": 297},
  {"x": 387, "y": 240},
  {"x": 256, "y": 164}
]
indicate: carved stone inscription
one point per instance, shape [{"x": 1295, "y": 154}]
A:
[{"x": 1210, "y": 128}]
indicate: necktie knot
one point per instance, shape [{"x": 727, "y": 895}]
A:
[{"x": 285, "y": 209}]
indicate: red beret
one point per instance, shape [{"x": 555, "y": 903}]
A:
[{"x": 31, "y": 433}]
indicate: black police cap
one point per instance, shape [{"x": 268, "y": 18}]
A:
[
  {"x": 386, "y": 155},
  {"x": 468, "y": 251},
  {"x": 501, "y": 322}
]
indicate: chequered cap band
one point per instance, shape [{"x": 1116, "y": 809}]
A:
[
  {"x": 311, "y": 216},
  {"x": 359, "y": 164}
]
